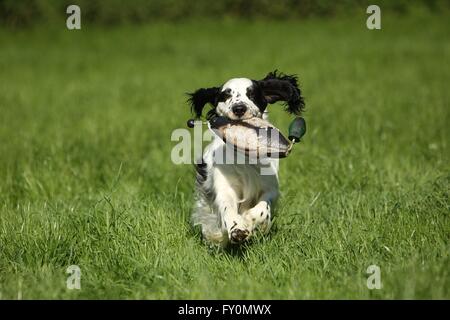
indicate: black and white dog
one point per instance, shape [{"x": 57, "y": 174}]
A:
[{"x": 233, "y": 200}]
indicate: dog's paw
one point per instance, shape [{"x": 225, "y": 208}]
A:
[{"x": 238, "y": 236}]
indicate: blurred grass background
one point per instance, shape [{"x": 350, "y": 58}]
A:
[
  {"x": 86, "y": 176},
  {"x": 113, "y": 12}
]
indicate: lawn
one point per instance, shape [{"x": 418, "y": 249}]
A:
[{"x": 86, "y": 177}]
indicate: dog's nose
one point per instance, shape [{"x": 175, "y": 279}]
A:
[{"x": 239, "y": 109}]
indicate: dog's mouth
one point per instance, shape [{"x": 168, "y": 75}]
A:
[{"x": 245, "y": 116}]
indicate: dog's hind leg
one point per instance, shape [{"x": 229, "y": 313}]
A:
[{"x": 209, "y": 222}]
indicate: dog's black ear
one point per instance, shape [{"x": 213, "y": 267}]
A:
[
  {"x": 201, "y": 97},
  {"x": 282, "y": 87}
]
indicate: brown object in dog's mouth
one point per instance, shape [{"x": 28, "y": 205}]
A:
[{"x": 255, "y": 137}]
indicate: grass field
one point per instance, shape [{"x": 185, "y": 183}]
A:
[{"x": 86, "y": 177}]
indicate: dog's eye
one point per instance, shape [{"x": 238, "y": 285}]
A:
[{"x": 224, "y": 96}]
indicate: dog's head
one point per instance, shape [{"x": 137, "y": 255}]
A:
[{"x": 242, "y": 98}]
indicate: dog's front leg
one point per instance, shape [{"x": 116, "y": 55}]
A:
[
  {"x": 260, "y": 215},
  {"x": 226, "y": 202}
]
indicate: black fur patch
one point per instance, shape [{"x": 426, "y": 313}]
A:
[
  {"x": 282, "y": 87},
  {"x": 223, "y": 96},
  {"x": 201, "y": 97},
  {"x": 255, "y": 94},
  {"x": 201, "y": 170}
]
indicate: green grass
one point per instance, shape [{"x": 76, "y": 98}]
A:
[{"x": 86, "y": 176}]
